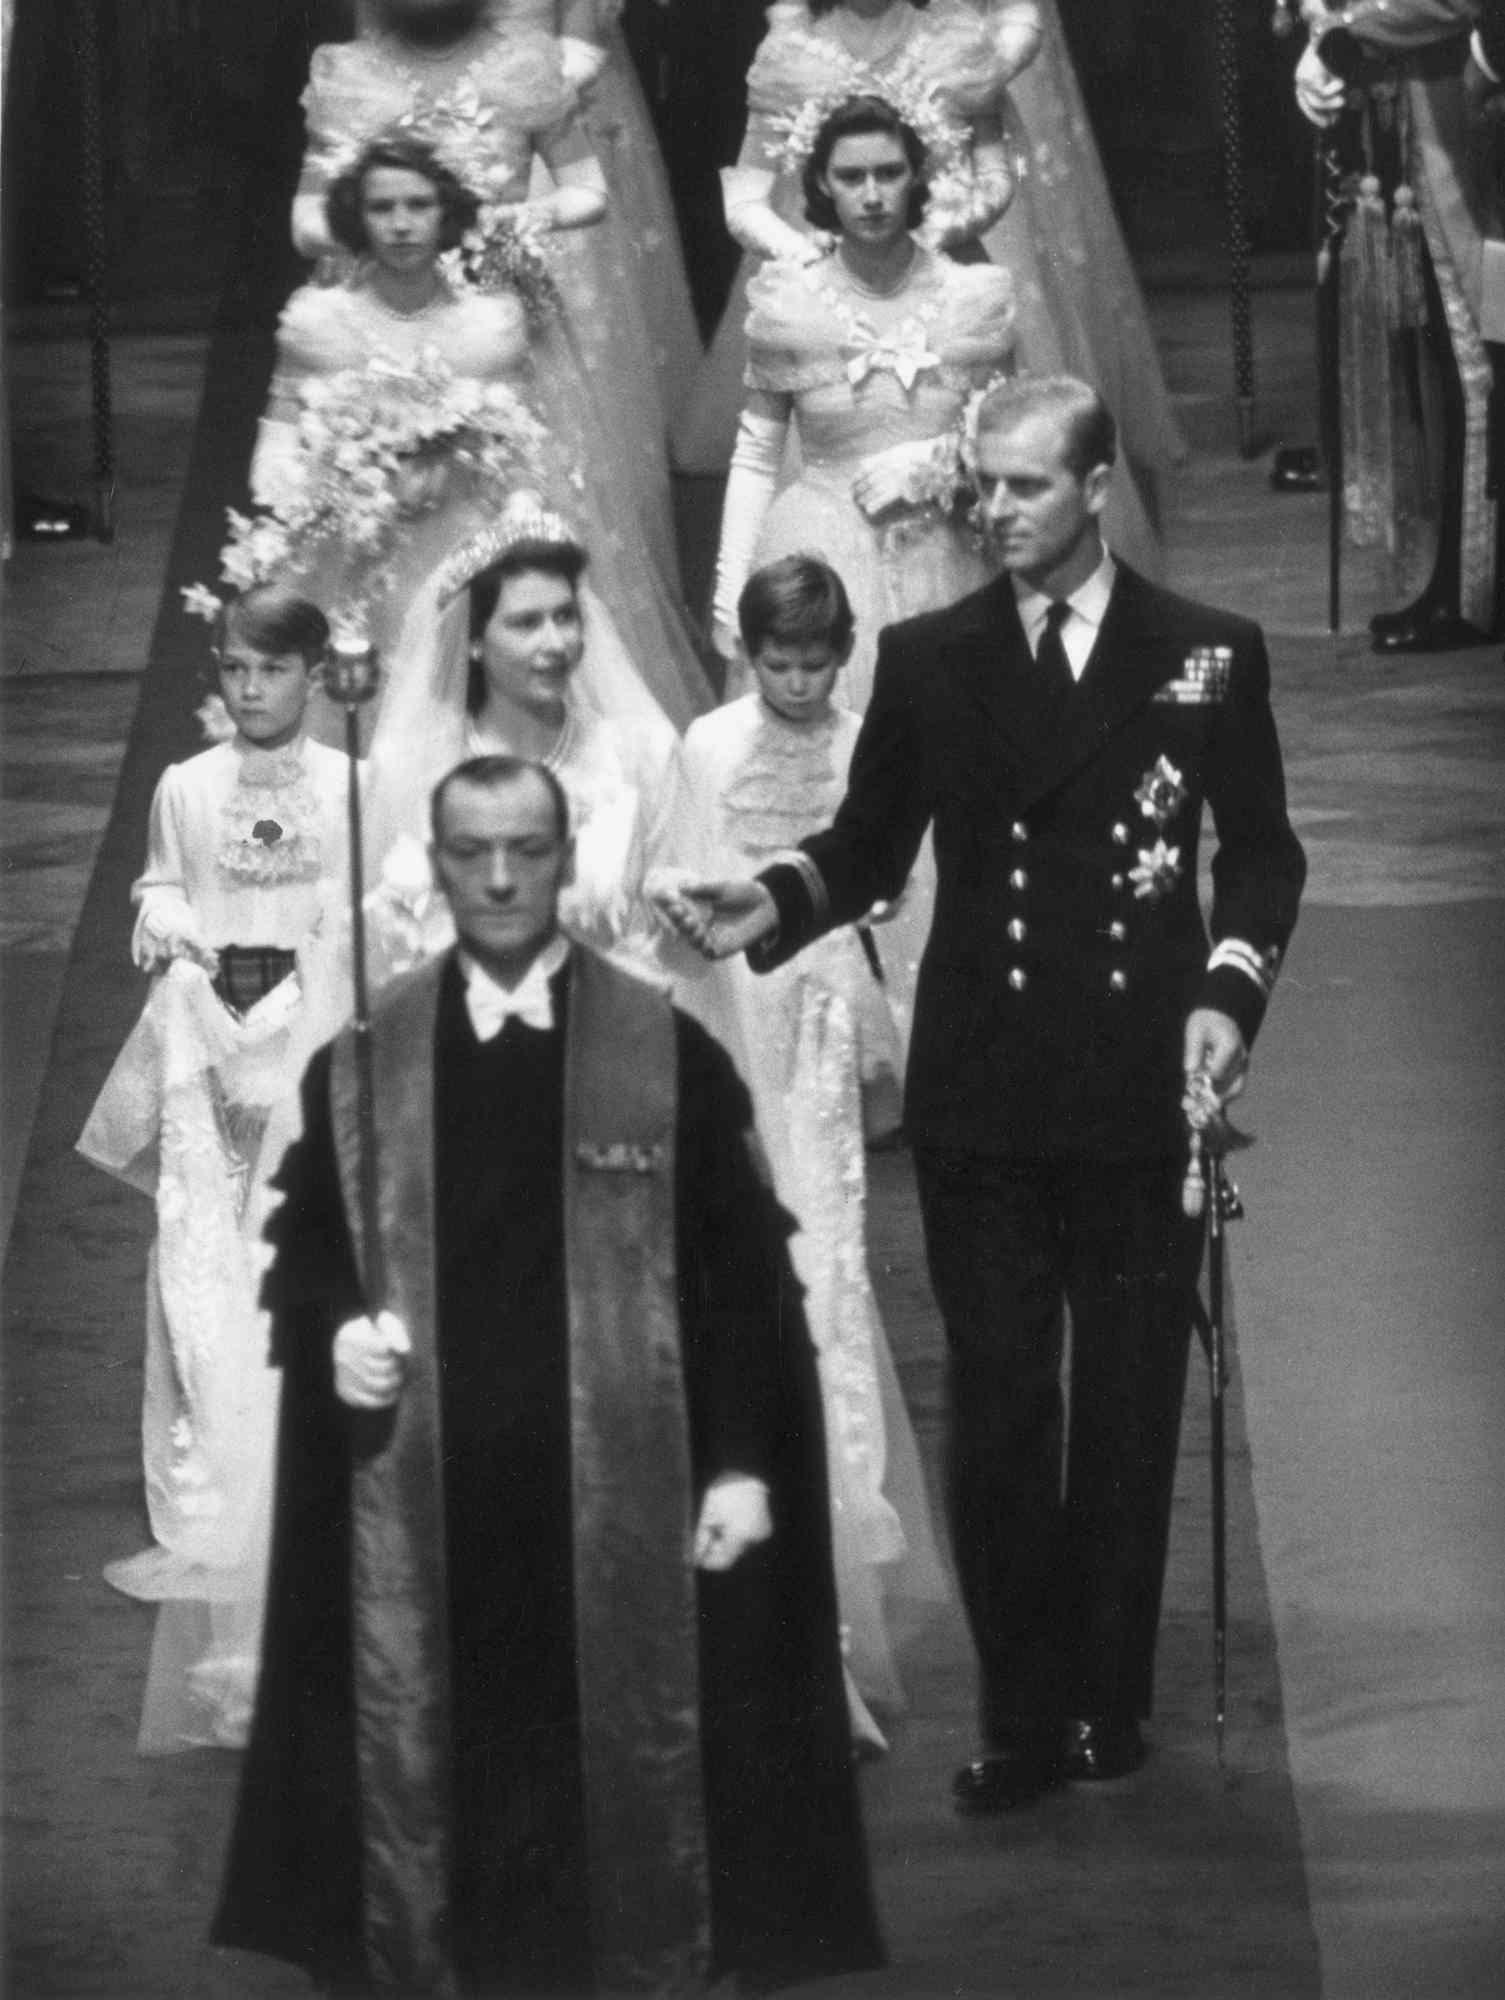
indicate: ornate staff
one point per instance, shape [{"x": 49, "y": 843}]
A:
[
  {"x": 351, "y": 678},
  {"x": 1208, "y": 1190}
]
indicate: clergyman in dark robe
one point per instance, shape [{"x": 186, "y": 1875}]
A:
[{"x": 551, "y": 1697}]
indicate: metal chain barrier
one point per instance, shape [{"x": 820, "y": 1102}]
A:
[
  {"x": 96, "y": 279},
  {"x": 1238, "y": 227}
]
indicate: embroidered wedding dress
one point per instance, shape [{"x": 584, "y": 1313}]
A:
[
  {"x": 804, "y": 57},
  {"x": 806, "y": 1035},
  {"x": 496, "y": 107},
  {"x": 196, "y": 1112}
]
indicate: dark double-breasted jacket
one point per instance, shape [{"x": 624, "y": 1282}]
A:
[{"x": 1068, "y": 944}]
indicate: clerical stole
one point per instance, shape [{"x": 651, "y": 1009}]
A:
[{"x": 635, "y": 1596}]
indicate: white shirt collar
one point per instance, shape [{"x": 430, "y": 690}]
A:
[
  {"x": 1089, "y": 607},
  {"x": 1088, "y": 601},
  {"x": 490, "y": 1005}
]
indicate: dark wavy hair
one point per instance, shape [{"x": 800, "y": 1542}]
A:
[
  {"x": 564, "y": 560},
  {"x": 344, "y": 203},
  {"x": 798, "y": 600},
  {"x": 854, "y": 119}
]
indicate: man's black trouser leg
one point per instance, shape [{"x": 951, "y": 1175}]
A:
[{"x": 1061, "y": 1580}]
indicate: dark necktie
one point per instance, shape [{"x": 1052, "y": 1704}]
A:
[{"x": 1051, "y": 651}]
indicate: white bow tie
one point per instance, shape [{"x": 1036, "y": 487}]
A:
[{"x": 490, "y": 1009}]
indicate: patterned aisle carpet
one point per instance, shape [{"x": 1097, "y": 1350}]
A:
[
  {"x": 1186, "y": 1880},
  {"x": 1366, "y": 1622}
]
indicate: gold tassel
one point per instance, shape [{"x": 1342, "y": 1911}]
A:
[
  {"x": 1364, "y": 335},
  {"x": 1408, "y": 298}
]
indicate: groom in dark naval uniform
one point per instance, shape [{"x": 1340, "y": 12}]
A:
[
  {"x": 1060, "y": 731},
  {"x": 551, "y": 1699}
]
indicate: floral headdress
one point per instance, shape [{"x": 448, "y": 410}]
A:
[
  {"x": 525, "y": 522},
  {"x": 966, "y": 443},
  {"x": 908, "y": 92}
]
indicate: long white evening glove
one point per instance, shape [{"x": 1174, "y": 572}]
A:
[
  {"x": 277, "y": 463},
  {"x": 751, "y": 219},
  {"x": 754, "y": 474},
  {"x": 577, "y": 199}
]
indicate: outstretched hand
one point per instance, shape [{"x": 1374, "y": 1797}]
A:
[{"x": 720, "y": 918}]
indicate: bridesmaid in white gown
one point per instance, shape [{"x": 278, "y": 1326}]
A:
[
  {"x": 1005, "y": 66},
  {"x": 830, "y": 49},
  {"x": 399, "y": 206},
  {"x": 492, "y": 95}
]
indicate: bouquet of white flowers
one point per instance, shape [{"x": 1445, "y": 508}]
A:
[{"x": 376, "y": 446}]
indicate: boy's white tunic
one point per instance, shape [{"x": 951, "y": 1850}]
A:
[
  {"x": 246, "y": 847},
  {"x": 808, "y": 1035}
]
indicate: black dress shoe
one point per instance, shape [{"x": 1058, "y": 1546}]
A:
[
  {"x": 1099, "y": 1749},
  {"x": 1423, "y": 629},
  {"x": 1007, "y": 1779}
]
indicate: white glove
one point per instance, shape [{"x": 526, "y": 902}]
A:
[
  {"x": 370, "y": 1361},
  {"x": 166, "y": 928},
  {"x": 734, "y": 1517},
  {"x": 581, "y": 61},
  {"x": 1017, "y": 35},
  {"x": 278, "y": 468},
  {"x": 751, "y": 219},
  {"x": 754, "y": 475},
  {"x": 1319, "y": 93},
  {"x": 904, "y": 475},
  {"x": 311, "y": 237},
  {"x": 577, "y": 200}
]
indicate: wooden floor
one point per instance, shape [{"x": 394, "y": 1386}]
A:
[{"x": 1355, "y": 1843}]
